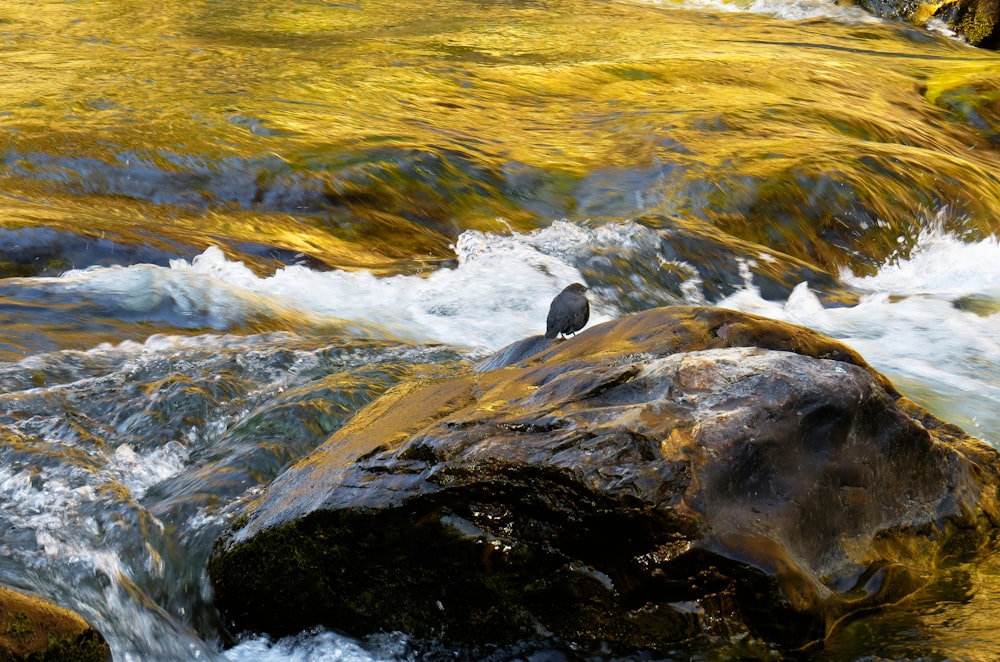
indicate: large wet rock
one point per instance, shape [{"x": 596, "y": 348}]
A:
[
  {"x": 678, "y": 473},
  {"x": 34, "y": 629}
]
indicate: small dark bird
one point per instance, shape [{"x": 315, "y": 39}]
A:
[{"x": 569, "y": 311}]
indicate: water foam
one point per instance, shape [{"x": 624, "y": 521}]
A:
[
  {"x": 137, "y": 472},
  {"x": 317, "y": 646},
  {"x": 940, "y": 266},
  {"x": 208, "y": 292},
  {"x": 791, "y": 10},
  {"x": 929, "y": 322},
  {"x": 498, "y": 293}
]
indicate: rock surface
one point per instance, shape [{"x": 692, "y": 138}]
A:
[
  {"x": 34, "y": 629},
  {"x": 674, "y": 474},
  {"x": 978, "y": 21}
]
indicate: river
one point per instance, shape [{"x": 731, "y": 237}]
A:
[{"x": 226, "y": 226}]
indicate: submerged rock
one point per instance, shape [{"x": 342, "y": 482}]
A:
[
  {"x": 34, "y": 629},
  {"x": 973, "y": 98},
  {"x": 675, "y": 474}
]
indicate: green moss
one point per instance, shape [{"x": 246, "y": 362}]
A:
[
  {"x": 978, "y": 20},
  {"x": 16, "y": 269},
  {"x": 19, "y": 625},
  {"x": 88, "y": 647},
  {"x": 239, "y": 522},
  {"x": 42, "y": 637}
]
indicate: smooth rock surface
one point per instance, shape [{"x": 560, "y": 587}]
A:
[{"x": 674, "y": 474}]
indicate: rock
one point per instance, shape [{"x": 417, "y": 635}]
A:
[
  {"x": 34, "y": 629},
  {"x": 679, "y": 473},
  {"x": 972, "y": 97},
  {"x": 978, "y": 21}
]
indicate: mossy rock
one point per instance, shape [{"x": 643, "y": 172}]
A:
[
  {"x": 35, "y": 630},
  {"x": 978, "y": 21}
]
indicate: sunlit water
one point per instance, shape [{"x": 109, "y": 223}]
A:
[{"x": 225, "y": 227}]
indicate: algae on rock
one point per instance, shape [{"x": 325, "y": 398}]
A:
[{"x": 34, "y": 629}]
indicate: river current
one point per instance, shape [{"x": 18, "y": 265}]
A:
[{"x": 226, "y": 226}]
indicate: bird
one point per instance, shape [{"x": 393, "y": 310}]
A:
[{"x": 569, "y": 311}]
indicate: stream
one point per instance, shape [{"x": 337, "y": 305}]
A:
[{"x": 225, "y": 227}]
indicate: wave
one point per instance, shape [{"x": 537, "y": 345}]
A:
[
  {"x": 498, "y": 293},
  {"x": 498, "y": 290}
]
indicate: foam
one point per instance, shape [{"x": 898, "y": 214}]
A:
[
  {"x": 315, "y": 646},
  {"x": 792, "y": 10},
  {"x": 499, "y": 292},
  {"x": 913, "y": 323}
]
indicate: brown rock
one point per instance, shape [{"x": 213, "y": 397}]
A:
[
  {"x": 33, "y": 629},
  {"x": 678, "y": 473}
]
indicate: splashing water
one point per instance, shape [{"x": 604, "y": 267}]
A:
[
  {"x": 929, "y": 322},
  {"x": 499, "y": 292}
]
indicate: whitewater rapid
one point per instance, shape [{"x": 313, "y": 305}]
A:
[{"x": 927, "y": 320}]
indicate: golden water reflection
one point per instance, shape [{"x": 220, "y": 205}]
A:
[
  {"x": 954, "y": 618},
  {"x": 729, "y": 112}
]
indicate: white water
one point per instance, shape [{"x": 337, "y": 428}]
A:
[
  {"x": 793, "y": 10},
  {"x": 498, "y": 294},
  {"x": 798, "y": 10},
  {"x": 907, "y": 325}
]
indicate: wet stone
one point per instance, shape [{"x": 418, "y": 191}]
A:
[{"x": 677, "y": 474}]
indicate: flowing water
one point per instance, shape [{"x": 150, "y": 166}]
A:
[{"x": 226, "y": 226}]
